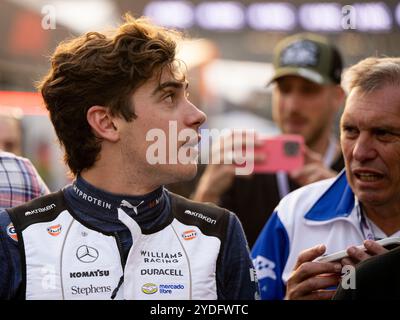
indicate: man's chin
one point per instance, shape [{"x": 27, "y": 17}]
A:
[
  {"x": 189, "y": 171},
  {"x": 182, "y": 173}
]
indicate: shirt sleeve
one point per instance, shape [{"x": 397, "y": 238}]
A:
[
  {"x": 270, "y": 254},
  {"x": 10, "y": 271},
  {"x": 236, "y": 276},
  {"x": 39, "y": 188}
]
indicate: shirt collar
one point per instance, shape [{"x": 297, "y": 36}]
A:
[{"x": 337, "y": 201}]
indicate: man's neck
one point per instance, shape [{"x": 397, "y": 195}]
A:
[
  {"x": 386, "y": 218},
  {"x": 114, "y": 182}
]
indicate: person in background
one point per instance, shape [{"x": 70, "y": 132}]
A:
[
  {"x": 19, "y": 181},
  {"x": 306, "y": 98},
  {"x": 10, "y": 130},
  {"x": 359, "y": 206}
]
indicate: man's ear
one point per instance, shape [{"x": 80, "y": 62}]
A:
[
  {"x": 339, "y": 96},
  {"x": 102, "y": 123}
]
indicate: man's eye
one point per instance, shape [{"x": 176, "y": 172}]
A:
[
  {"x": 380, "y": 132},
  {"x": 169, "y": 98},
  {"x": 384, "y": 135},
  {"x": 284, "y": 89},
  {"x": 310, "y": 90},
  {"x": 350, "y": 131}
]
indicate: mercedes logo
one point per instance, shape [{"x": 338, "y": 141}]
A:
[{"x": 87, "y": 254}]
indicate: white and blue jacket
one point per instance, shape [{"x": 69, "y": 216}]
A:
[{"x": 325, "y": 212}]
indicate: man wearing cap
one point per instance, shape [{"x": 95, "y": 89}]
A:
[{"x": 306, "y": 97}]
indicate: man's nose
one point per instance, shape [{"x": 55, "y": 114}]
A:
[
  {"x": 292, "y": 101},
  {"x": 364, "y": 149},
  {"x": 195, "y": 117}
]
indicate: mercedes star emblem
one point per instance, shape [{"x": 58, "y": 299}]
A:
[{"x": 87, "y": 254}]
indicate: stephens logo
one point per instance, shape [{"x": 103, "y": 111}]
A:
[
  {"x": 149, "y": 288},
  {"x": 11, "y": 232},
  {"x": 90, "y": 290},
  {"x": 189, "y": 235},
  {"x": 54, "y": 230}
]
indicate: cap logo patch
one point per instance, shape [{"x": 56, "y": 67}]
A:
[{"x": 300, "y": 53}]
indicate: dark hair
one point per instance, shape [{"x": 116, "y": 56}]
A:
[{"x": 100, "y": 69}]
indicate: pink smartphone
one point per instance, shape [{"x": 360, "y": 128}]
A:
[{"x": 282, "y": 153}]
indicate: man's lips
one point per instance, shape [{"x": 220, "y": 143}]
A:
[
  {"x": 296, "y": 122},
  {"x": 367, "y": 175},
  {"x": 190, "y": 143}
]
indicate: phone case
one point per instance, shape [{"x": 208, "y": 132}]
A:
[{"x": 282, "y": 153}]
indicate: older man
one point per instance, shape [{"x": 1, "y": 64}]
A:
[{"x": 359, "y": 206}]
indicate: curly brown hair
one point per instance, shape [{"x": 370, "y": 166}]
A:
[{"x": 100, "y": 69}]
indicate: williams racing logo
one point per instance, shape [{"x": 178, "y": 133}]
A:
[
  {"x": 11, "y": 232},
  {"x": 54, "y": 230}
]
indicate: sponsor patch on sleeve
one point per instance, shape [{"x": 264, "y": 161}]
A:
[{"x": 11, "y": 232}]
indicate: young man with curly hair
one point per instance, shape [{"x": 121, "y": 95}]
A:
[{"x": 116, "y": 232}]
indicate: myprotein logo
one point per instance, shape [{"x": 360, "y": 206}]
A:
[
  {"x": 201, "y": 216},
  {"x": 89, "y": 274},
  {"x": 189, "y": 235},
  {"x": 91, "y": 199},
  {"x": 149, "y": 288},
  {"x": 40, "y": 210},
  {"x": 87, "y": 254},
  {"x": 11, "y": 232},
  {"x": 54, "y": 230}
]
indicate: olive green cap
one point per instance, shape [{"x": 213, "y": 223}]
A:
[{"x": 309, "y": 56}]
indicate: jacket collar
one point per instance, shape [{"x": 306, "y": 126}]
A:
[{"x": 338, "y": 201}]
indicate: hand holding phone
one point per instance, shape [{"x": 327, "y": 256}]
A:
[
  {"x": 388, "y": 243},
  {"x": 281, "y": 153}
]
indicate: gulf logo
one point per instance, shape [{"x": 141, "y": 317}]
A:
[
  {"x": 54, "y": 230},
  {"x": 11, "y": 232},
  {"x": 189, "y": 235}
]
